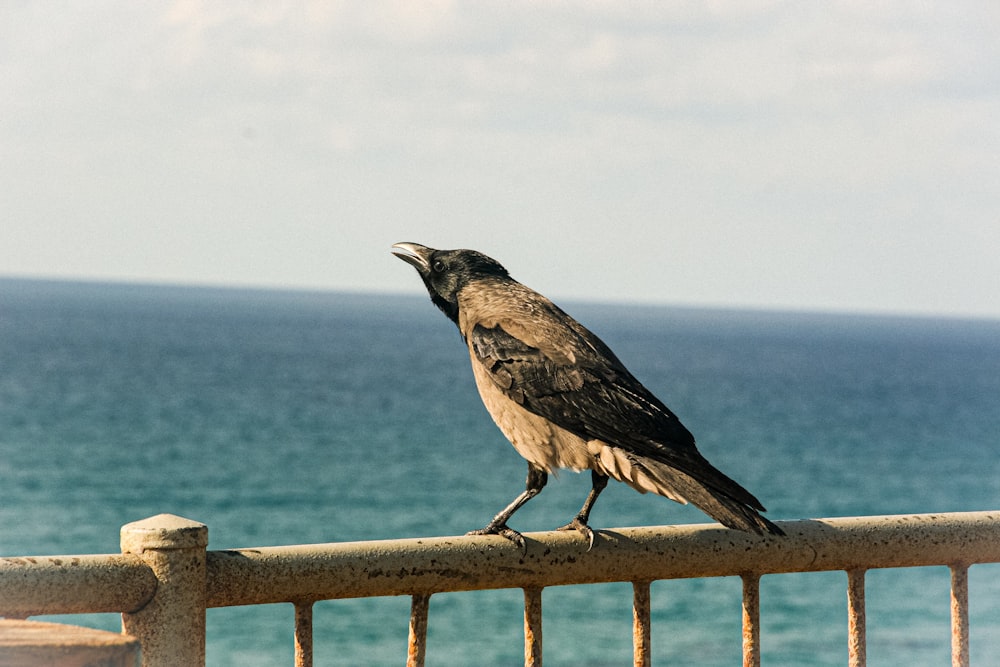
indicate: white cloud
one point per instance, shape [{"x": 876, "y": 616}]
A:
[{"x": 751, "y": 139}]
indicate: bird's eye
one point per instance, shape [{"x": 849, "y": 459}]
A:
[{"x": 438, "y": 266}]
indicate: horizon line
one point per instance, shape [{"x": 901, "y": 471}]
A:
[{"x": 648, "y": 303}]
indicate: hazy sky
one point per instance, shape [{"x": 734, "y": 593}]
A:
[{"x": 841, "y": 155}]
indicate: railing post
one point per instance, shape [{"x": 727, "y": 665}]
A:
[
  {"x": 303, "y": 634},
  {"x": 532, "y": 627},
  {"x": 857, "y": 632},
  {"x": 171, "y": 627},
  {"x": 641, "y": 630},
  {"x": 960, "y": 615},
  {"x": 751, "y": 619},
  {"x": 416, "y": 649}
]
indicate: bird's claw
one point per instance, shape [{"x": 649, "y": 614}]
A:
[
  {"x": 580, "y": 525},
  {"x": 503, "y": 531}
]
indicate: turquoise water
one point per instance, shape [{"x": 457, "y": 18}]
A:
[{"x": 287, "y": 418}]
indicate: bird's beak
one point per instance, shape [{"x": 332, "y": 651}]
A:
[{"x": 415, "y": 254}]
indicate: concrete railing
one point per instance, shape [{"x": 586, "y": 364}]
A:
[{"x": 164, "y": 579}]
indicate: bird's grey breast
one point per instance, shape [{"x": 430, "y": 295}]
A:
[{"x": 538, "y": 440}]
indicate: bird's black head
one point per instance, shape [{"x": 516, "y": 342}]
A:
[{"x": 446, "y": 272}]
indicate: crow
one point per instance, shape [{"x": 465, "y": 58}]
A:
[{"x": 564, "y": 400}]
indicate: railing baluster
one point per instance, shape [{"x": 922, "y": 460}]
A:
[
  {"x": 532, "y": 627},
  {"x": 304, "y": 634},
  {"x": 959, "y": 615},
  {"x": 857, "y": 640},
  {"x": 417, "y": 644},
  {"x": 641, "y": 630},
  {"x": 751, "y": 620}
]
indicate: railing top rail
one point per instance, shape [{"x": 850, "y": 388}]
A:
[
  {"x": 441, "y": 564},
  {"x": 304, "y": 573},
  {"x": 32, "y": 585}
]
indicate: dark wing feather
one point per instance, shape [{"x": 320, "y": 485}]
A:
[{"x": 596, "y": 397}]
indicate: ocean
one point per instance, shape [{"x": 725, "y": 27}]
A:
[{"x": 279, "y": 417}]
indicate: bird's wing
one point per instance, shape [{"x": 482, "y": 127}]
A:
[{"x": 593, "y": 396}]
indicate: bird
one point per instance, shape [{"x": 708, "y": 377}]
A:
[{"x": 564, "y": 399}]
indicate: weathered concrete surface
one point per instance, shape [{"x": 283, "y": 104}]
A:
[
  {"x": 31, "y": 585},
  {"x": 37, "y": 644},
  {"x": 439, "y": 564},
  {"x": 172, "y": 624}
]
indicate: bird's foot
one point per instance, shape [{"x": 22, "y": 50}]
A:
[
  {"x": 580, "y": 524},
  {"x": 502, "y": 530}
]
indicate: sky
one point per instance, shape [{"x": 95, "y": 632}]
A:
[{"x": 837, "y": 156}]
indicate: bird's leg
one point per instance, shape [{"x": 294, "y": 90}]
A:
[
  {"x": 498, "y": 526},
  {"x": 598, "y": 482}
]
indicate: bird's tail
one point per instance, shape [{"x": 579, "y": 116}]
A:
[
  {"x": 718, "y": 496},
  {"x": 723, "y": 508}
]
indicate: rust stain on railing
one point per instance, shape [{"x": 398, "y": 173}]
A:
[
  {"x": 303, "y": 634},
  {"x": 751, "y": 620},
  {"x": 960, "y": 614},
  {"x": 532, "y": 627},
  {"x": 857, "y": 632},
  {"x": 642, "y": 637},
  {"x": 417, "y": 644}
]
